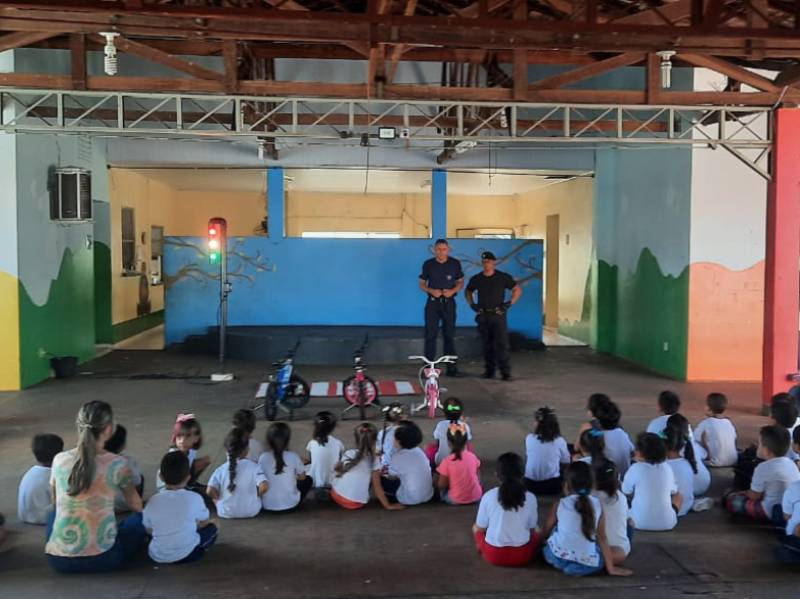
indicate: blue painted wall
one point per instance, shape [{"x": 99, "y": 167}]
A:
[{"x": 298, "y": 281}]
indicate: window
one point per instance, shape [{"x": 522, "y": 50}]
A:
[
  {"x": 156, "y": 242},
  {"x": 486, "y": 233},
  {"x": 349, "y": 235},
  {"x": 128, "y": 241}
]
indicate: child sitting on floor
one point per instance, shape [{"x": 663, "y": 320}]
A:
[
  {"x": 791, "y": 496},
  {"x": 591, "y": 446},
  {"x": 789, "y": 550},
  {"x": 360, "y": 468},
  {"x": 717, "y": 434},
  {"x": 236, "y": 487},
  {"x": 285, "y": 472},
  {"x": 176, "y": 518},
  {"x": 615, "y": 509},
  {"x": 701, "y": 481},
  {"x": 35, "y": 496},
  {"x": 784, "y": 414},
  {"x": 546, "y": 454},
  {"x": 681, "y": 458},
  {"x": 619, "y": 448},
  {"x": 393, "y": 414},
  {"x": 656, "y": 501},
  {"x": 245, "y": 421},
  {"x": 592, "y": 406},
  {"x": 668, "y": 404},
  {"x": 187, "y": 437},
  {"x": 506, "y": 529},
  {"x": 578, "y": 545},
  {"x": 439, "y": 449},
  {"x": 116, "y": 444},
  {"x": 458, "y": 477},
  {"x": 324, "y": 450},
  {"x": 409, "y": 481},
  {"x": 770, "y": 478}
]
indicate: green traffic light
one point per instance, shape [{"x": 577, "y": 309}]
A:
[{"x": 213, "y": 257}]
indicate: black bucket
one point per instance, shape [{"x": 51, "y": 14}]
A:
[{"x": 64, "y": 367}]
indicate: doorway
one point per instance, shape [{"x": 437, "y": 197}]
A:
[{"x": 551, "y": 271}]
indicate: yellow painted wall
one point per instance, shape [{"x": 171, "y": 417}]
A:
[
  {"x": 481, "y": 212},
  {"x": 190, "y": 211},
  {"x": 407, "y": 214},
  {"x": 572, "y": 201},
  {"x": 9, "y": 340}
]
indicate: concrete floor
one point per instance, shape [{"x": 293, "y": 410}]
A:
[{"x": 323, "y": 551}]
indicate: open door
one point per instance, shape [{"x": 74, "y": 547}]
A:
[{"x": 551, "y": 271}]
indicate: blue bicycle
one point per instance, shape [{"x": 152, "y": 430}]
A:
[{"x": 286, "y": 390}]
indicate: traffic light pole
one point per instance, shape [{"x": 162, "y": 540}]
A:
[{"x": 218, "y": 231}]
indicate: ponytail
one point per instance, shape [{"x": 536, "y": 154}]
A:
[
  {"x": 236, "y": 443},
  {"x": 457, "y": 437},
  {"x": 593, "y": 442},
  {"x": 677, "y": 438},
  {"x": 365, "y": 436},
  {"x": 278, "y": 436},
  {"x": 92, "y": 419},
  {"x": 510, "y": 471},
  {"x": 579, "y": 481}
]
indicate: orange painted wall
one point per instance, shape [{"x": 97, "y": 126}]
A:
[{"x": 725, "y": 322}]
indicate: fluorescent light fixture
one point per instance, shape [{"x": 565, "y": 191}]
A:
[{"x": 387, "y": 133}]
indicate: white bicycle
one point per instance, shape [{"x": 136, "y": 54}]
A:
[{"x": 429, "y": 380}]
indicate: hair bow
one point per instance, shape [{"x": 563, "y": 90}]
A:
[
  {"x": 584, "y": 492},
  {"x": 184, "y": 417},
  {"x": 452, "y": 408},
  {"x": 593, "y": 432},
  {"x": 663, "y": 434}
]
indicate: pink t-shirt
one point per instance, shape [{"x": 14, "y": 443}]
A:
[{"x": 462, "y": 475}]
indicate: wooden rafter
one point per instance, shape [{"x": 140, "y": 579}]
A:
[
  {"x": 77, "y": 48},
  {"x": 163, "y": 58},
  {"x": 658, "y": 15},
  {"x": 24, "y": 38},
  {"x": 731, "y": 70},
  {"x": 397, "y": 50},
  {"x": 587, "y": 71}
]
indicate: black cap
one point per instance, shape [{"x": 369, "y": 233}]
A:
[{"x": 488, "y": 256}]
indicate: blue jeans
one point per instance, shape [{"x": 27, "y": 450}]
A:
[
  {"x": 568, "y": 567},
  {"x": 130, "y": 539},
  {"x": 208, "y": 536}
]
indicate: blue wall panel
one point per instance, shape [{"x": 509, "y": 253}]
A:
[{"x": 298, "y": 281}]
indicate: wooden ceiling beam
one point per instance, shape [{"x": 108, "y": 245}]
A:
[
  {"x": 397, "y": 50},
  {"x": 731, "y": 70},
  {"x": 588, "y": 71},
  {"x": 11, "y": 41},
  {"x": 146, "y": 52}
]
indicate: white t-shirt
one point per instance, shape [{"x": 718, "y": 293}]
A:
[
  {"x": 507, "y": 528},
  {"x": 684, "y": 478},
  {"x": 659, "y": 423},
  {"x": 719, "y": 435},
  {"x": 544, "y": 459},
  {"x": 791, "y": 498},
  {"x": 568, "y": 541},
  {"x": 440, "y": 434},
  {"x": 283, "y": 493},
  {"x": 615, "y": 511},
  {"x": 160, "y": 486},
  {"x": 254, "y": 449},
  {"x": 244, "y": 501},
  {"x": 413, "y": 469},
  {"x": 385, "y": 444},
  {"x": 35, "y": 499},
  {"x": 323, "y": 460},
  {"x": 354, "y": 484},
  {"x": 172, "y": 516},
  {"x": 120, "y": 505},
  {"x": 772, "y": 478},
  {"x": 702, "y": 480},
  {"x": 794, "y": 520},
  {"x": 652, "y": 487},
  {"x": 618, "y": 449}
]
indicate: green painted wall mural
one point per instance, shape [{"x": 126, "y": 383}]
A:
[
  {"x": 103, "y": 330},
  {"x": 64, "y": 324}
]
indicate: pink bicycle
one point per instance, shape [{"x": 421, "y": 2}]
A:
[{"x": 429, "y": 380}]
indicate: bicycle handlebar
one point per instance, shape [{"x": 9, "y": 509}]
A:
[{"x": 445, "y": 359}]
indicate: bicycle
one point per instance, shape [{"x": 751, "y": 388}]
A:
[
  {"x": 286, "y": 390},
  {"x": 358, "y": 389},
  {"x": 429, "y": 381}
]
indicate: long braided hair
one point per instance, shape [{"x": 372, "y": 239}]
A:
[
  {"x": 366, "y": 436},
  {"x": 236, "y": 444},
  {"x": 93, "y": 418},
  {"x": 579, "y": 481},
  {"x": 278, "y": 436}
]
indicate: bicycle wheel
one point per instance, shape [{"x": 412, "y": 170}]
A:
[
  {"x": 297, "y": 393},
  {"x": 271, "y": 401},
  {"x": 361, "y": 393}
]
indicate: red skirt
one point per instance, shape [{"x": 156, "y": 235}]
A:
[{"x": 508, "y": 556}]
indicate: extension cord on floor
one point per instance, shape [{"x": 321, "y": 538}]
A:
[{"x": 221, "y": 377}]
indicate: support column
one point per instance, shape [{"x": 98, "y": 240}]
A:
[
  {"x": 781, "y": 284},
  {"x": 276, "y": 204},
  {"x": 439, "y": 204}
]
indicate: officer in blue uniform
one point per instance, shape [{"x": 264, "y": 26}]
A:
[{"x": 441, "y": 279}]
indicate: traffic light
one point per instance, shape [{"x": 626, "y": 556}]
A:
[{"x": 217, "y": 235}]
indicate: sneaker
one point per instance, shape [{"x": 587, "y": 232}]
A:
[{"x": 702, "y": 504}]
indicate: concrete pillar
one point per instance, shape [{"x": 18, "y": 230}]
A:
[
  {"x": 439, "y": 204},
  {"x": 276, "y": 203},
  {"x": 781, "y": 284}
]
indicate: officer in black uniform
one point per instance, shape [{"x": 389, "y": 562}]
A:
[
  {"x": 491, "y": 285},
  {"x": 441, "y": 279}
]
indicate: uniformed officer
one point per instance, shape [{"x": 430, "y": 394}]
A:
[
  {"x": 441, "y": 279},
  {"x": 491, "y": 285}
]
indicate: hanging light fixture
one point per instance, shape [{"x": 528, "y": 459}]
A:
[
  {"x": 110, "y": 50},
  {"x": 666, "y": 67}
]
